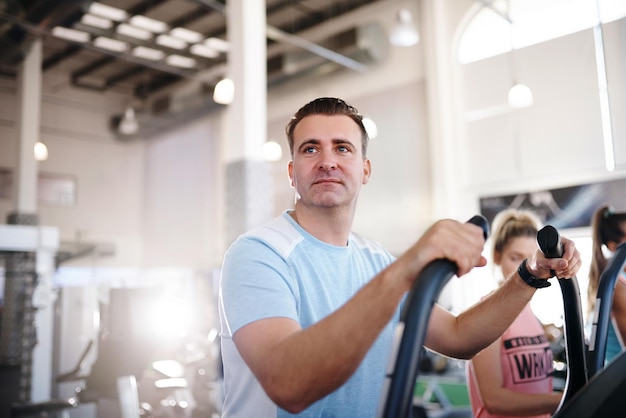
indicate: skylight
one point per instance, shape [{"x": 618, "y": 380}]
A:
[
  {"x": 96, "y": 21},
  {"x": 171, "y": 42},
  {"x": 110, "y": 44},
  {"x": 152, "y": 25},
  {"x": 108, "y": 12},
  {"x": 70, "y": 34},
  {"x": 186, "y": 35},
  {"x": 133, "y": 32},
  {"x": 180, "y": 61}
]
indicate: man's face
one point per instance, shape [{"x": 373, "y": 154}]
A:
[{"x": 328, "y": 167}]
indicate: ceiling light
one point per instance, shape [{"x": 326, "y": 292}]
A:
[
  {"x": 404, "y": 33},
  {"x": 187, "y": 35},
  {"x": 520, "y": 96},
  {"x": 217, "y": 43},
  {"x": 152, "y": 25},
  {"x": 133, "y": 32},
  {"x": 224, "y": 91},
  {"x": 129, "y": 125},
  {"x": 271, "y": 151},
  {"x": 148, "y": 53},
  {"x": 108, "y": 12},
  {"x": 110, "y": 44},
  {"x": 171, "y": 42},
  {"x": 70, "y": 34},
  {"x": 96, "y": 21},
  {"x": 180, "y": 61},
  {"x": 204, "y": 51},
  {"x": 41, "y": 151}
]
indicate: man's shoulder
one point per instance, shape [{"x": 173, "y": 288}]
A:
[
  {"x": 367, "y": 244},
  {"x": 278, "y": 233}
]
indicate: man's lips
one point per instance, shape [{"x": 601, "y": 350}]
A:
[{"x": 327, "y": 181}]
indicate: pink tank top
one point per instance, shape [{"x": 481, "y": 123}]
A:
[{"x": 526, "y": 361}]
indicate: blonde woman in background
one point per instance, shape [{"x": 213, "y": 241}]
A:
[
  {"x": 513, "y": 376},
  {"x": 608, "y": 231}
]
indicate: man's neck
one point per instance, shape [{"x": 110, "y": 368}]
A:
[{"x": 331, "y": 225}]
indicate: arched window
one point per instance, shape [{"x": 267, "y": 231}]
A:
[{"x": 490, "y": 32}]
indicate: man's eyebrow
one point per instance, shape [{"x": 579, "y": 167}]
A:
[
  {"x": 336, "y": 141},
  {"x": 309, "y": 142}
]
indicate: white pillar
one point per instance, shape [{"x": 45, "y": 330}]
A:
[
  {"x": 246, "y": 27},
  {"x": 442, "y": 113},
  {"x": 248, "y": 191},
  {"x": 29, "y": 111}
]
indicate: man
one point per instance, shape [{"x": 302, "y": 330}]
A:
[{"x": 308, "y": 308}]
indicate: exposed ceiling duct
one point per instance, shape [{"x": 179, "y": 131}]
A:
[
  {"x": 364, "y": 44},
  {"x": 305, "y": 38},
  {"x": 16, "y": 40}
]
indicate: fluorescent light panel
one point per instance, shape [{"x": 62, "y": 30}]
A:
[
  {"x": 146, "y": 23},
  {"x": 110, "y": 44},
  {"x": 187, "y": 35},
  {"x": 148, "y": 53},
  {"x": 108, "y": 12},
  {"x": 171, "y": 42},
  {"x": 180, "y": 61},
  {"x": 217, "y": 43},
  {"x": 70, "y": 34},
  {"x": 96, "y": 21},
  {"x": 202, "y": 50},
  {"x": 133, "y": 32}
]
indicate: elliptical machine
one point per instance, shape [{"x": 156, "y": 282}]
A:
[
  {"x": 594, "y": 393},
  {"x": 603, "y": 396}
]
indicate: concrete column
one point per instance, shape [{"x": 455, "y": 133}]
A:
[
  {"x": 29, "y": 119},
  {"x": 441, "y": 116},
  {"x": 248, "y": 194},
  {"x": 26, "y": 329}
]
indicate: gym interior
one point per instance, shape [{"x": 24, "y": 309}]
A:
[{"x": 112, "y": 234}]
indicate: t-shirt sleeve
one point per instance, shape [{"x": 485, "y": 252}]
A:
[{"x": 255, "y": 284}]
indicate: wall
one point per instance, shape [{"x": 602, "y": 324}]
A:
[
  {"x": 181, "y": 198},
  {"x": 108, "y": 173},
  {"x": 559, "y": 140}
]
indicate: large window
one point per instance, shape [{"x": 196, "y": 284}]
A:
[{"x": 504, "y": 24}]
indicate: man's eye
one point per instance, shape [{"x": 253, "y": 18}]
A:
[
  {"x": 343, "y": 149},
  {"x": 309, "y": 150}
]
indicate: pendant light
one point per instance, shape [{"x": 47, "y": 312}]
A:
[{"x": 520, "y": 95}]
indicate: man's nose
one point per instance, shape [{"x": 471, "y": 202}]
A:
[{"x": 327, "y": 162}]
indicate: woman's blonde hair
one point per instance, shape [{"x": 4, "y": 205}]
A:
[{"x": 512, "y": 223}]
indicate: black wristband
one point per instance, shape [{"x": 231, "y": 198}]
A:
[{"x": 529, "y": 279}]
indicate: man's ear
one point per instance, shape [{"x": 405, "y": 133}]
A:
[
  {"x": 290, "y": 172},
  {"x": 367, "y": 170}
]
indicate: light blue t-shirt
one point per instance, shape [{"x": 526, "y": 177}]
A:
[{"x": 280, "y": 270}]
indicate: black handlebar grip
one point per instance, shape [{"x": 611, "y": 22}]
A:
[
  {"x": 549, "y": 241},
  {"x": 481, "y": 221}
]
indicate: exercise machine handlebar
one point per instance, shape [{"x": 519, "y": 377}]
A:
[
  {"x": 549, "y": 242},
  {"x": 410, "y": 332},
  {"x": 602, "y": 311}
]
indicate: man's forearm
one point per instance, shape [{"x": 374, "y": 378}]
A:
[{"x": 492, "y": 316}]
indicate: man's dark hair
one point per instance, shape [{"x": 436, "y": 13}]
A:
[{"x": 327, "y": 106}]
